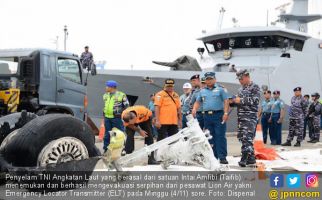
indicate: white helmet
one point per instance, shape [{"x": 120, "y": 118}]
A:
[{"x": 187, "y": 86}]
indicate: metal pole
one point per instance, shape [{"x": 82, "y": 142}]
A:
[
  {"x": 65, "y": 36},
  {"x": 267, "y": 17}
]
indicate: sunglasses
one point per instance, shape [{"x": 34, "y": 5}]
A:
[{"x": 241, "y": 77}]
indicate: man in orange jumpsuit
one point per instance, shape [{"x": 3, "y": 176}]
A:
[{"x": 138, "y": 119}]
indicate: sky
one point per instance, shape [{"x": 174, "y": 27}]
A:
[{"x": 128, "y": 33}]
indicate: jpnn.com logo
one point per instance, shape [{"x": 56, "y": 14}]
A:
[
  {"x": 277, "y": 180},
  {"x": 312, "y": 180}
]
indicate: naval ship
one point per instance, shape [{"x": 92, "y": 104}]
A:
[{"x": 279, "y": 58}]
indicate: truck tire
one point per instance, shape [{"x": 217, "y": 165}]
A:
[
  {"x": 14, "y": 121},
  {"x": 8, "y": 139},
  {"x": 50, "y": 139}
]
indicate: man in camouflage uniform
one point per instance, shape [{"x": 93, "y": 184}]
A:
[
  {"x": 297, "y": 113},
  {"x": 86, "y": 58},
  {"x": 314, "y": 116},
  {"x": 247, "y": 102}
]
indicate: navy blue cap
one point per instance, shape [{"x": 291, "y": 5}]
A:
[
  {"x": 111, "y": 83},
  {"x": 241, "y": 73},
  {"x": 315, "y": 94},
  {"x": 210, "y": 75},
  {"x": 297, "y": 89},
  {"x": 197, "y": 76}
]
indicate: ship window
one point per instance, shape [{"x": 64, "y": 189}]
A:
[
  {"x": 298, "y": 45},
  {"x": 210, "y": 48},
  {"x": 270, "y": 41}
]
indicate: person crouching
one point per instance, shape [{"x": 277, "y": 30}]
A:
[{"x": 138, "y": 119}]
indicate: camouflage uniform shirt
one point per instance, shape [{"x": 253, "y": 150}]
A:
[
  {"x": 86, "y": 59},
  {"x": 298, "y": 107},
  {"x": 249, "y": 101}
]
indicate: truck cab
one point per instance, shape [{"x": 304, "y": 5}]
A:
[{"x": 47, "y": 81}]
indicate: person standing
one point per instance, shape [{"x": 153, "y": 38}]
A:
[
  {"x": 321, "y": 115},
  {"x": 115, "y": 102},
  {"x": 185, "y": 103},
  {"x": 277, "y": 117},
  {"x": 138, "y": 119},
  {"x": 314, "y": 116},
  {"x": 264, "y": 114},
  {"x": 86, "y": 58},
  {"x": 214, "y": 100},
  {"x": 196, "y": 85},
  {"x": 307, "y": 98},
  {"x": 151, "y": 103},
  {"x": 297, "y": 112},
  {"x": 151, "y": 107},
  {"x": 167, "y": 111},
  {"x": 247, "y": 102},
  {"x": 232, "y": 68}
]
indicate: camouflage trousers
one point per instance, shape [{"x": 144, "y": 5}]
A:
[
  {"x": 245, "y": 134},
  {"x": 314, "y": 127},
  {"x": 296, "y": 128}
]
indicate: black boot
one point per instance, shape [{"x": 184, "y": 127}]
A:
[
  {"x": 251, "y": 160},
  {"x": 243, "y": 160},
  {"x": 152, "y": 161},
  {"x": 287, "y": 143},
  {"x": 313, "y": 141},
  {"x": 223, "y": 161},
  {"x": 297, "y": 144}
]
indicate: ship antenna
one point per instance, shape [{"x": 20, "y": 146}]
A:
[{"x": 221, "y": 17}]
